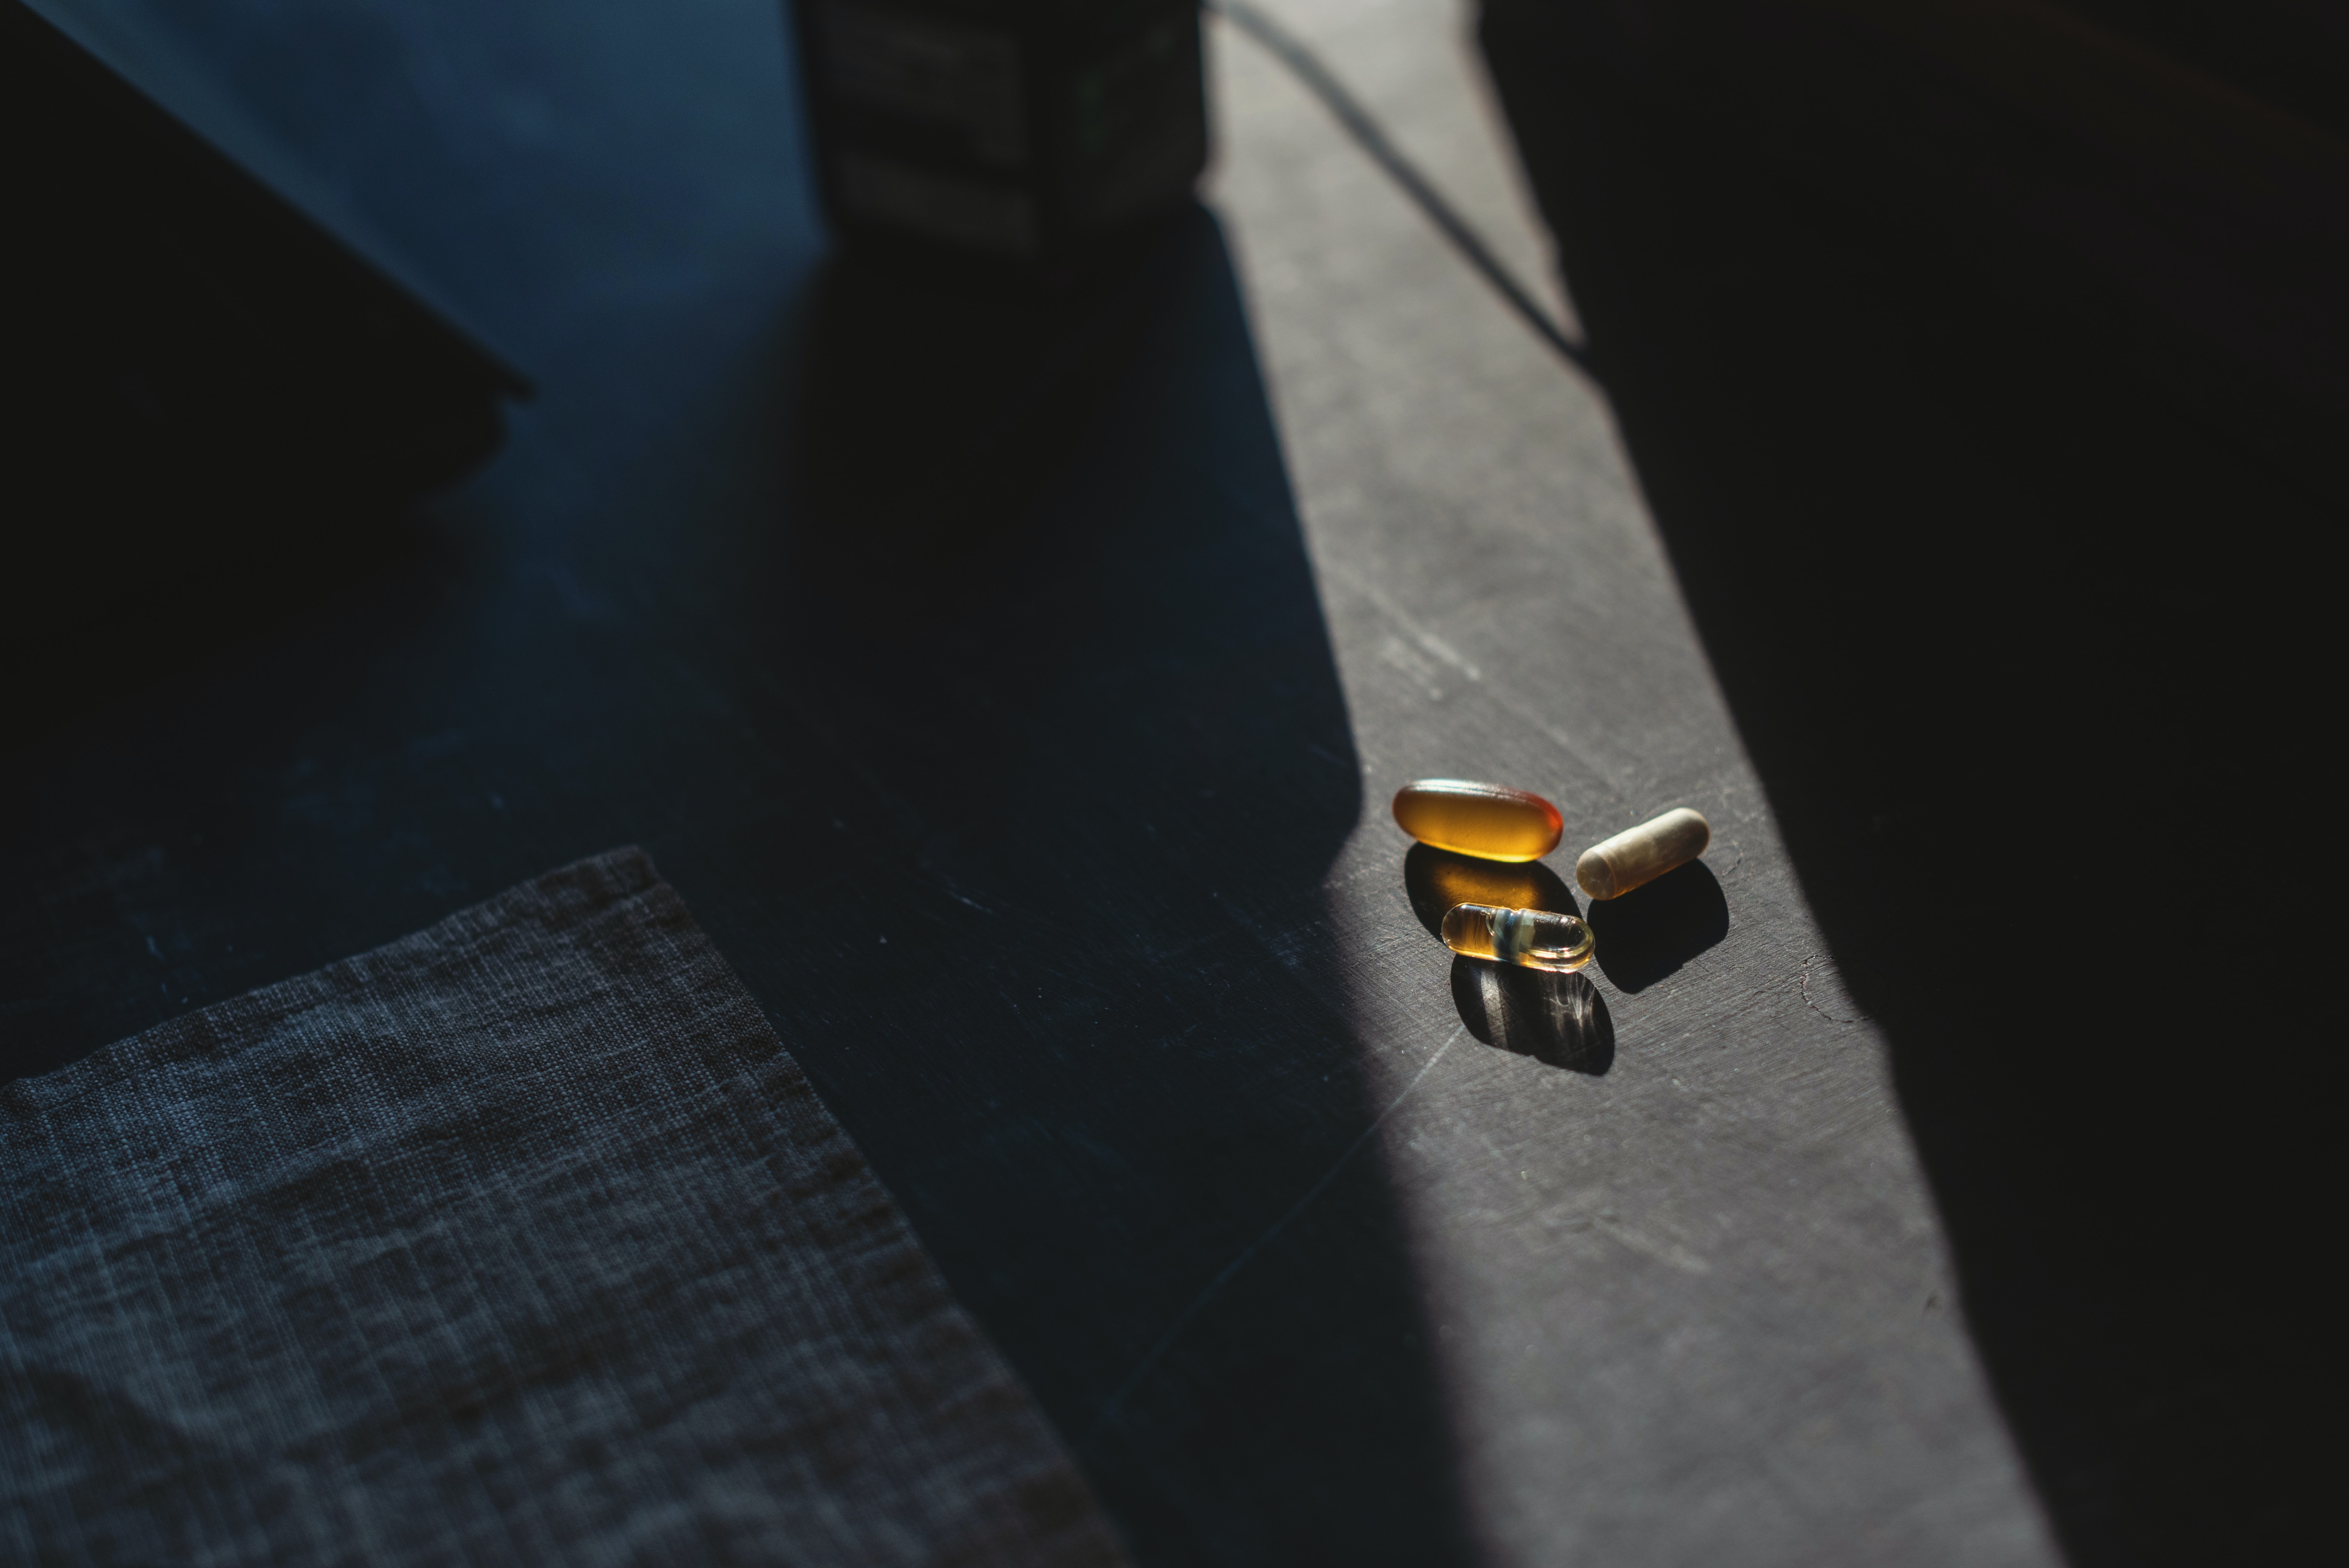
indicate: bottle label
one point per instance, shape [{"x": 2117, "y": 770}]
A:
[
  {"x": 949, "y": 76},
  {"x": 953, "y": 207}
]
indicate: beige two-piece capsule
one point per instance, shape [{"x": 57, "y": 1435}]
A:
[
  {"x": 1489, "y": 820},
  {"x": 1642, "y": 855}
]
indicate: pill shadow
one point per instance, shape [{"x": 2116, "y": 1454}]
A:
[
  {"x": 1558, "y": 1019},
  {"x": 1436, "y": 880},
  {"x": 1649, "y": 932}
]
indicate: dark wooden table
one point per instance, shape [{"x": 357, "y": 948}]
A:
[{"x": 1014, "y": 687}]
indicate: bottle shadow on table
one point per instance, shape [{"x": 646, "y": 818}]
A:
[
  {"x": 958, "y": 653},
  {"x": 1060, "y": 764}
]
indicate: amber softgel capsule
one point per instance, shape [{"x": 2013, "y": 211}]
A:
[
  {"x": 1533, "y": 938},
  {"x": 1489, "y": 820},
  {"x": 1639, "y": 855}
]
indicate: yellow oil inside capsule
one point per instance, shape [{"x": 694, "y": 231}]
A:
[
  {"x": 1531, "y": 938},
  {"x": 1491, "y": 821}
]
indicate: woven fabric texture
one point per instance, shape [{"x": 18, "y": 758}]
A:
[{"x": 521, "y": 1239}]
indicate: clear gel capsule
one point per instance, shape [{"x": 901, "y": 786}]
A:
[
  {"x": 1639, "y": 855},
  {"x": 1533, "y": 938},
  {"x": 1490, "y": 821}
]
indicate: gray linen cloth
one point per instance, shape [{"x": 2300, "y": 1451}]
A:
[{"x": 521, "y": 1239}]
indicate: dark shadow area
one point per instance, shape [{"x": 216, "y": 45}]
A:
[
  {"x": 1436, "y": 880},
  {"x": 1649, "y": 932},
  {"x": 940, "y": 402},
  {"x": 120, "y": 627},
  {"x": 1028, "y": 579},
  {"x": 954, "y": 651},
  {"x": 2013, "y": 634},
  {"x": 1559, "y": 1019},
  {"x": 960, "y": 661},
  {"x": 219, "y": 413}
]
